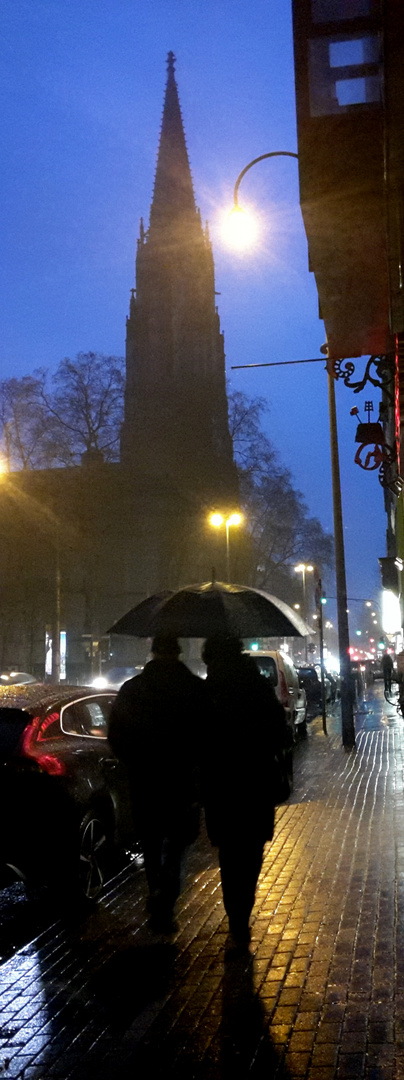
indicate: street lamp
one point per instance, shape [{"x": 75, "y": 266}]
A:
[
  {"x": 348, "y": 729},
  {"x": 217, "y": 520}
]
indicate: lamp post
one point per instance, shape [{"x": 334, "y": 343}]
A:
[
  {"x": 303, "y": 569},
  {"x": 217, "y": 520},
  {"x": 348, "y": 729}
]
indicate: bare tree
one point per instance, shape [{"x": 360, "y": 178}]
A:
[
  {"x": 50, "y": 420},
  {"x": 23, "y": 421},
  {"x": 279, "y": 523}
]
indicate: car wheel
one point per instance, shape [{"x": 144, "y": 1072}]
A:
[{"x": 94, "y": 849}]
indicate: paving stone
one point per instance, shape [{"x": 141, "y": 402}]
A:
[{"x": 320, "y": 993}]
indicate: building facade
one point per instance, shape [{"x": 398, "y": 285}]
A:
[{"x": 349, "y": 68}]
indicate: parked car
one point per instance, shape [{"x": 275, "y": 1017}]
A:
[
  {"x": 64, "y": 800},
  {"x": 310, "y": 679},
  {"x": 16, "y": 678},
  {"x": 278, "y": 667}
]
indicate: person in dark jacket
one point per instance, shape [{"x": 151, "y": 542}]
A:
[
  {"x": 154, "y": 728},
  {"x": 387, "y": 668},
  {"x": 247, "y": 728}
]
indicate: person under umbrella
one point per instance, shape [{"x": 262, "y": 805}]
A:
[
  {"x": 154, "y": 728},
  {"x": 246, "y": 728}
]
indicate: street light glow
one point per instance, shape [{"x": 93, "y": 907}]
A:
[
  {"x": 217, "y": 520},
  {"x": 240, "y": 229}
]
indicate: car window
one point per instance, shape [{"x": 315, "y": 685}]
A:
[
  {"x": 267, "y": 667},
  {"x": 87, "y": 717},
  {"x": 93, "y": 719},
  {"x": 70, "y": 720}
]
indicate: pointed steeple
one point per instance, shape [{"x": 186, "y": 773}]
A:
[
  {"x": 176, "y": 423},
  {"x": 173, "y": 194}
]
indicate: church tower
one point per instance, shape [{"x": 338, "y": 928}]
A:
[{"x": 176, "y": 422}]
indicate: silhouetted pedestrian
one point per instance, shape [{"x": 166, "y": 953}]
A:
[
  {"x": 387, "y": 668},
  {"x": 154, "y": 729},
  {"x": 246, "y": 727}
]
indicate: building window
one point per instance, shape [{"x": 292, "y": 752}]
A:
[
  {"x": 353, "y": 51},
  {"x": 344, "y": 72},
  {"x": 338, "y": 10},
  {"x": 358, "y": 91}
]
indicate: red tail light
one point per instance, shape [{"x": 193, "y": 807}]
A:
[
  {"x": 34, "y": 734},
  {"x": 284, "y": 690}
]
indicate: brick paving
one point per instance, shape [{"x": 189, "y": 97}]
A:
[{"x": 320, "y": 993}]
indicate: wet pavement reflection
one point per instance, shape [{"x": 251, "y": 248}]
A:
[{"x": 320, "y": 992}]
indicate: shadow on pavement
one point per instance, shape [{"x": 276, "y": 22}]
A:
[
  {"x": 246, "y": 1045},
  {"x": 131, "y": 980}
]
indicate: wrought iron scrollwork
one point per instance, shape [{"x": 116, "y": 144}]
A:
[
  {"x": 379, "y": 372},
  {"x": 388, "y": 477}
]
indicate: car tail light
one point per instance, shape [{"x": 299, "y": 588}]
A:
[
  {"x": 51, "y": 764},
  {"x": 284, "y": 690},
  {"x": 33, "y": 734}
]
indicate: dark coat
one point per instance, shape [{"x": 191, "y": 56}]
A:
[
  {"x": 247, "y": 727},
  {"x": 154, "y": 728}
]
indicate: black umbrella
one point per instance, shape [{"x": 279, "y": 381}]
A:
[{"x": 212, "y": 608}]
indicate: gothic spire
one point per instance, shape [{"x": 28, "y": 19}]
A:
[{"x": 173, "y": 194}]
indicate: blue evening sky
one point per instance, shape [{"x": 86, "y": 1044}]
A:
[{"x": 82, "y": 90}]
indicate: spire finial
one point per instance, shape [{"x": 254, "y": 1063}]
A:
[
  {"x": 170, "y": 63},
  {"x": 173, "y": 191}
]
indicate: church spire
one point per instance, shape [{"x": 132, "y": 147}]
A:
[{"x": 173, "y": 194}]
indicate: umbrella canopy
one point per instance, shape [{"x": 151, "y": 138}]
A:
[{"x": 212, "y": 608}]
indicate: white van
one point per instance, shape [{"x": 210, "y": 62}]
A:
[{"x": 278, "y": 667}]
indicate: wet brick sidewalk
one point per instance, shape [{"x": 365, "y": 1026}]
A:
[{"x": 319, "y": 995}]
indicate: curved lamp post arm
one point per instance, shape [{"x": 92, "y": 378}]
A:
[{"x": 274, "y": 153}]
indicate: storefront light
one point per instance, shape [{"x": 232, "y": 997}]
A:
[{"x": 391, "y": 620}]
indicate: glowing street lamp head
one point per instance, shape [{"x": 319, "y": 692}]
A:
[
  {"x": 216, "y": 520},
  {"x": 240, "y": 229}
]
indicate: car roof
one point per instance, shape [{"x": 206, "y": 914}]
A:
[{"x": 31, "y": 696}]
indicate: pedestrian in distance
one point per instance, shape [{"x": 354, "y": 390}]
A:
[
  {"x": 246, "y": 729},
  {"x": 154, "y": 728},
  {"x": 387, "y": 668}
]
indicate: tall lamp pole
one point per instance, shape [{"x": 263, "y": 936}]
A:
[
  {"x": 302, "y": 569},
  {"x": 348, "y": 728}
]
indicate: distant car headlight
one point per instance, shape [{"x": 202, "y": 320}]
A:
[{"x": 99, "y": 683}]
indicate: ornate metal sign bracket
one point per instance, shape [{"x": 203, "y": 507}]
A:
[{"x": 379, "y": 372}]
